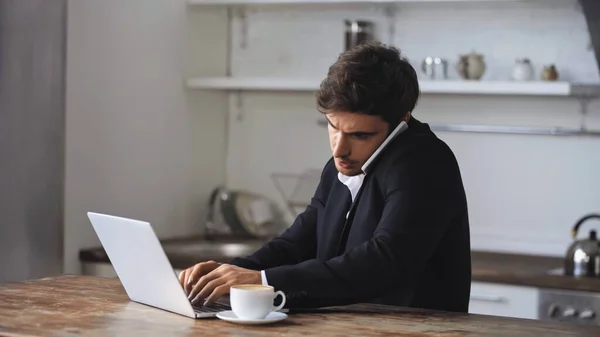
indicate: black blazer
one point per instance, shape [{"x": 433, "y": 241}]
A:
[{"x": 406, "y": 241}]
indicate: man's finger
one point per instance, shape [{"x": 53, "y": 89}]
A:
[
  {"x": 191, "y": 279},
  {"x": 185, "y": 276},
  {"x": 203, "y": 282},
  {"x": 208, "y": 289},
  {"x": 198, "y": 271},
  {"x": 182, "y": 277},
  {"x": 218, "y": 292}
]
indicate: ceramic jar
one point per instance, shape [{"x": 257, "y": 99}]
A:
[
  {"x": 522, "y": 70},
  {"x": 550, "y": 73},
  {"x": 471, "y": 66}
]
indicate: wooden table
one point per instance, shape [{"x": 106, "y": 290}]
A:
[
  {"x": 491, "y": 267},
  {"x": 93, "y": 306}
]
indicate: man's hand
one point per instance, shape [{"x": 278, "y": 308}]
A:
[
  {"x": 190, "y": 276},
  {"x": 211, "y": 280}
]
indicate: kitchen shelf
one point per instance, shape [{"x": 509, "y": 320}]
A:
[
  {"x": 506, "y": 129},
  {"x": 301, "y": 2},
  {"x": 533, "y": 88}
]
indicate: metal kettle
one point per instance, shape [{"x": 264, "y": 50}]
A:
[
  {"x": 583, "y": 256},
  {"x": 242, "y": 214}
]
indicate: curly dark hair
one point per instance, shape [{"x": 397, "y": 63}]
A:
[{"x": 373, "y": 79}]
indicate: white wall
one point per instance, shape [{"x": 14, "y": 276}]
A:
[
  {"x": 32, "y": 118},
  {"x": 525, "y": 192},
  {"x": 137, "y": 144}
]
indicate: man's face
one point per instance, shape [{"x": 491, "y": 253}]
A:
[{"x": 353, "y": 138}]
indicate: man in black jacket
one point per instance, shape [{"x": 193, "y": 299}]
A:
[{"x": 388, "y": 222}]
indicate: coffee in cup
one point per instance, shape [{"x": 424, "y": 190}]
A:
[{"x": 253, "y": 301}]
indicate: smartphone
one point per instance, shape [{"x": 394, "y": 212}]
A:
[{"x": 398, "y": 130}]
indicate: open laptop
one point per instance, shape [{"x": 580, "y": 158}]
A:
[{"x": 143, "y": 267}]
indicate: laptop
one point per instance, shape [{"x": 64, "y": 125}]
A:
[{"x": 143, "y": 267}]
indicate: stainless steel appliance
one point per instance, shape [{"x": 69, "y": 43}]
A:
[
  {"x": 358, "y": 32},
  {"x": 583, "y": 256},
  {"x": 242, "y": 214},
  {"x": 580, "y": 307},
  {"x": 435, "y": 68},
  {"x": 32, "y": 125},
  {"x": 582, "y": 260}
]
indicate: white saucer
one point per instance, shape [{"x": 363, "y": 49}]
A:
[{"x": 271, "y": 318}]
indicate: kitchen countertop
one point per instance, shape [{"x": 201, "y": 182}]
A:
[
  {"x": 527, "y": 270},
  {"x": 493, "y": 267},
  {"x": 87, "y": 305}
]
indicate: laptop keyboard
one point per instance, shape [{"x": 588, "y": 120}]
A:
[{"x": 215, "y": 307}]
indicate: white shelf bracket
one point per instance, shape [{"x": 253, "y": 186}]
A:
[
  {"x": 584, "y": 103},
  {"x": 241, "y": 13},
  {"x": 390, "y": 14},
  {"x": 239, "y": 105}
]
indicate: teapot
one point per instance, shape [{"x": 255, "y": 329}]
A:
[
  {"x": 471, "y": 66},
  {"x": 583, "y": 256}
]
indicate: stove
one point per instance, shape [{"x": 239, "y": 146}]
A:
[{"x": 581, "y": 307}]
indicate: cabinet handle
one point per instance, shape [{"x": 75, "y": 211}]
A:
[{"x": 488, "y": 298}]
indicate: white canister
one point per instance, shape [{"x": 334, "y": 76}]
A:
[{"x": 522, "y": 70}]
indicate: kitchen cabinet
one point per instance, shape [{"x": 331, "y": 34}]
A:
[
  {"x": 503, "y": 300},
  {"x": 102, "y": 269}
]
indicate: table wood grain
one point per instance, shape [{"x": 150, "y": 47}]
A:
[{"x": 92, "y": 306}]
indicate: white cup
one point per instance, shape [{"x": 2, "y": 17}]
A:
[{"x": 253, "y": 301}]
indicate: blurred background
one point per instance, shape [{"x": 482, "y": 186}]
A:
[{"x": 199, "y": 117}]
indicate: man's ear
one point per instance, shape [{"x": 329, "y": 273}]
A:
[
  {"x": 401, "y": 127},
  {"x": 393, "y": 126}
]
